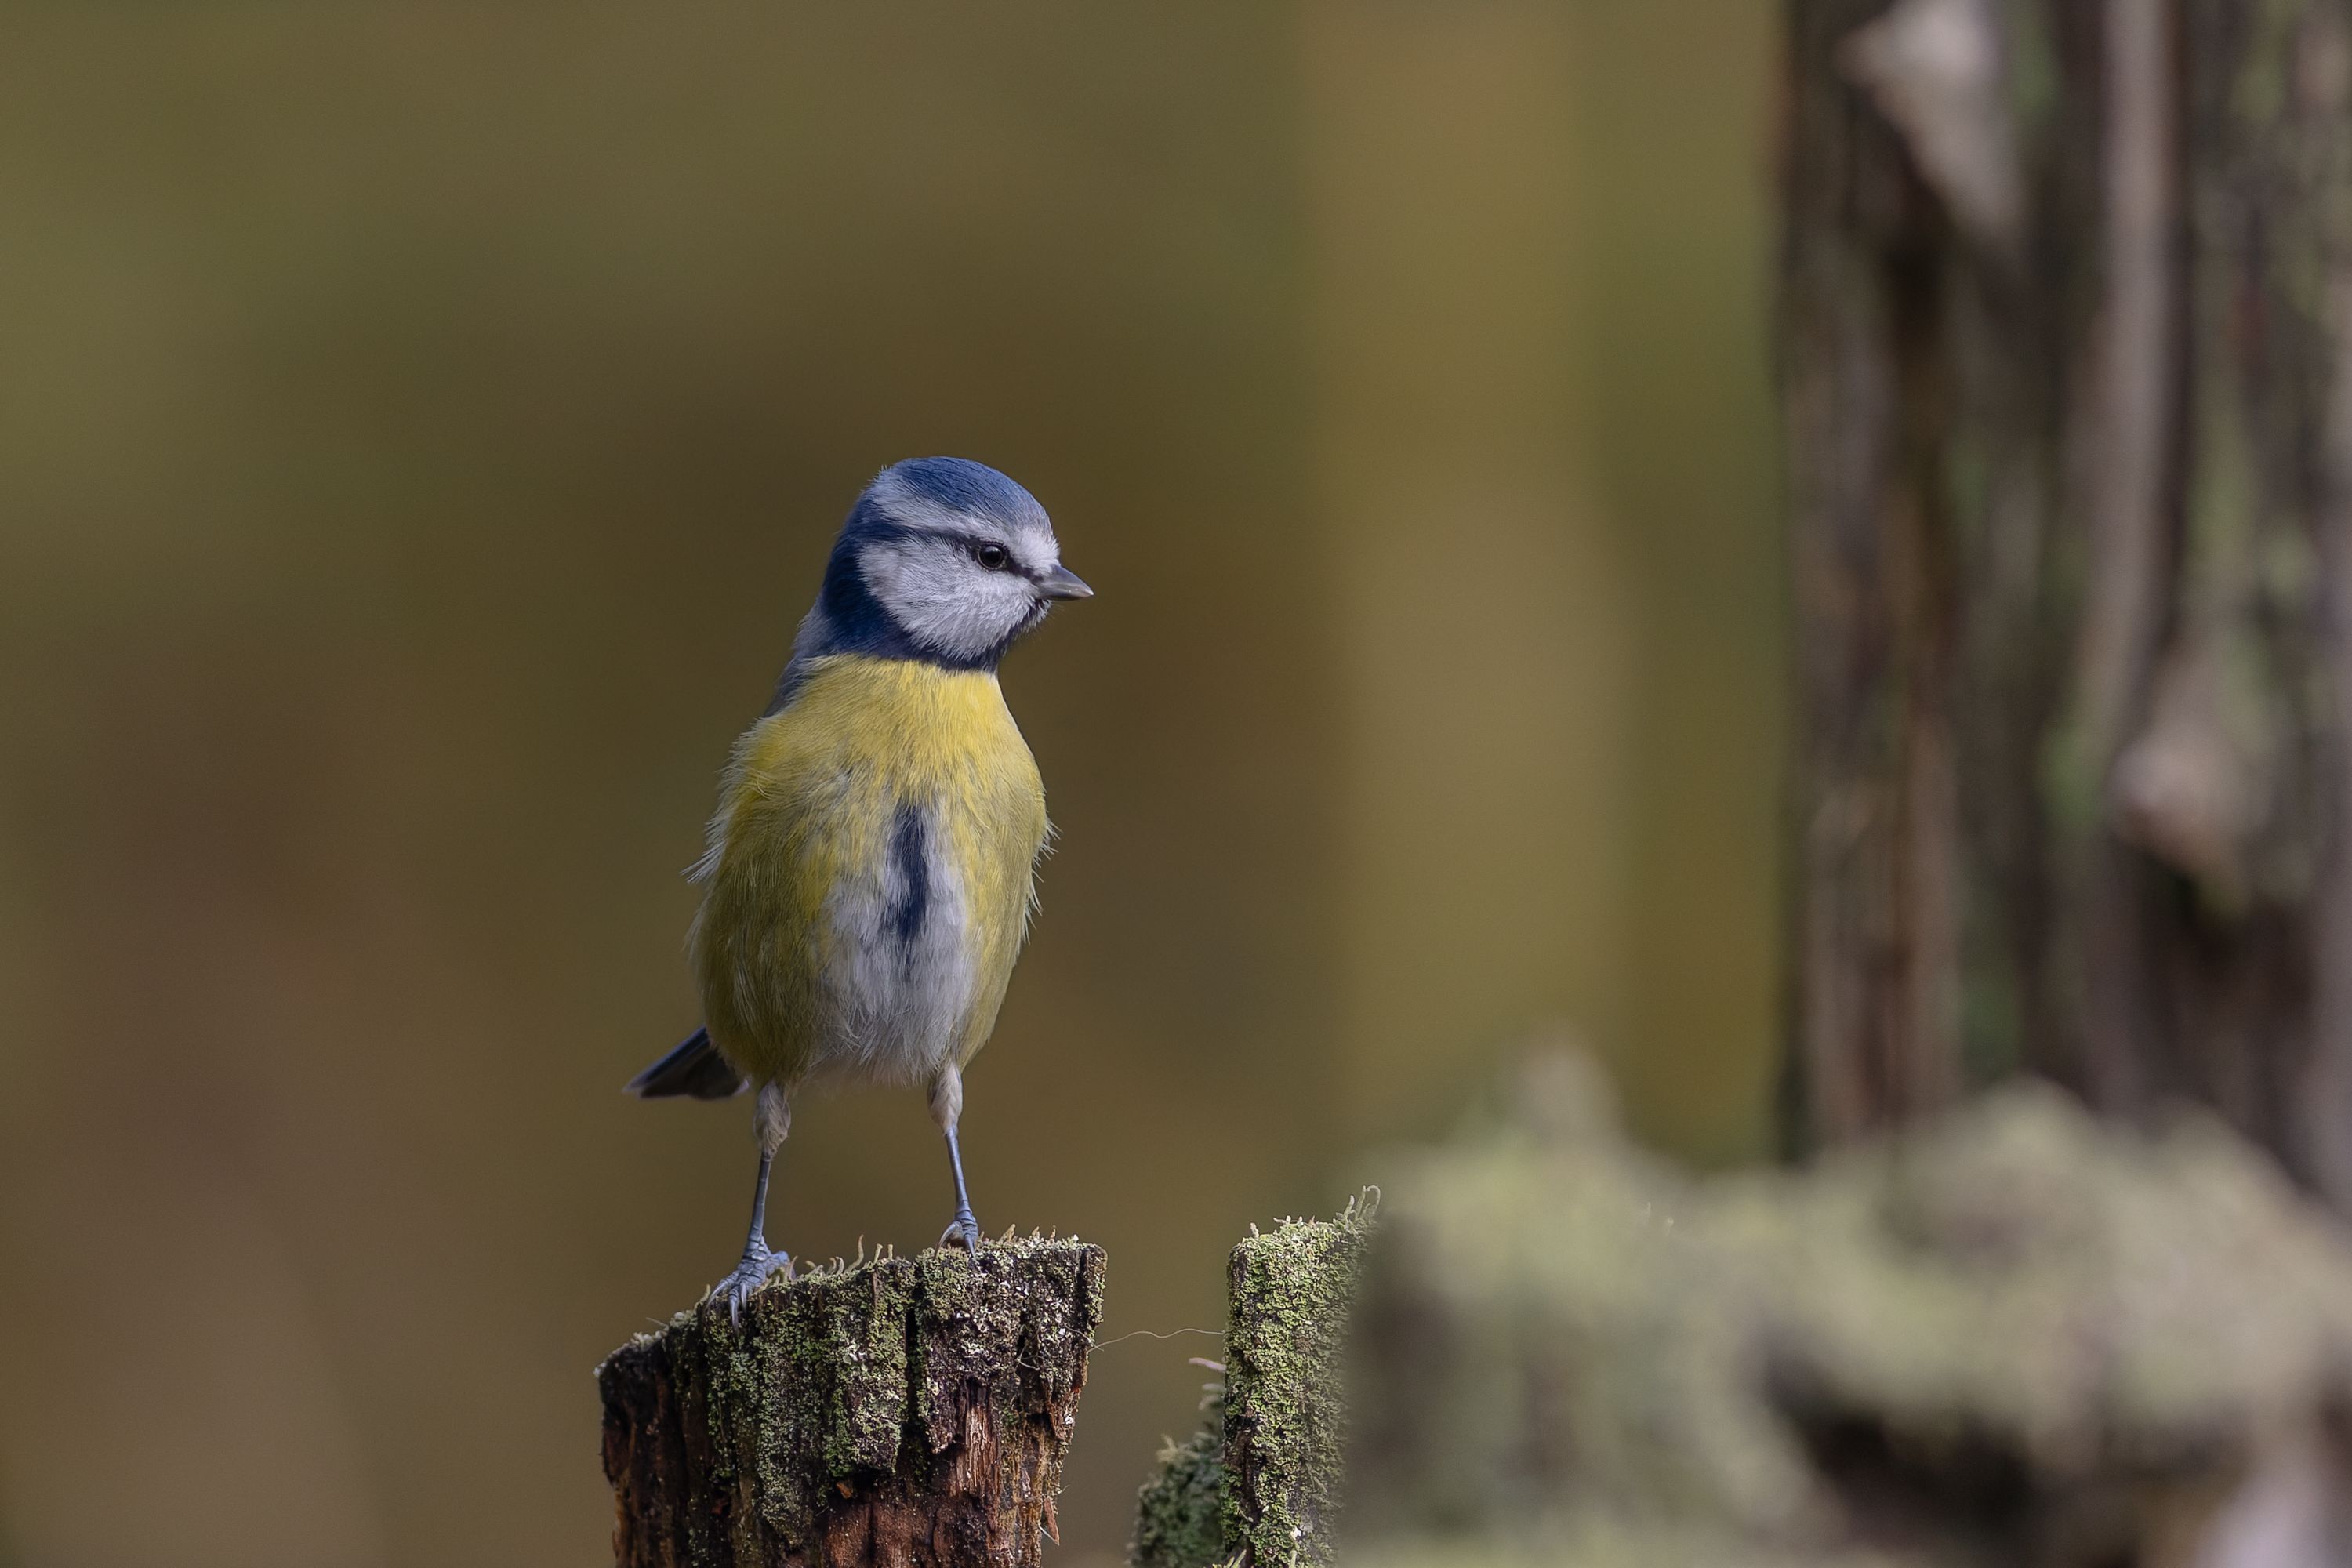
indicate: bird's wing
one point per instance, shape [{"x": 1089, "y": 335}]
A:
[
  {"x": 1000, "y": 862},
  {"x": 791, "y": 817}
]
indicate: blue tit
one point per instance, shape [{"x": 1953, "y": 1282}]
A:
[{"x": 870, "y": 871}]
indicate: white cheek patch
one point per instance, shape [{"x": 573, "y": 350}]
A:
[{"x": 942, "y": 598}]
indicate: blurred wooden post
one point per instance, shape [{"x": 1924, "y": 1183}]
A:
[
  {"x": 2066, "y": 325},
  {"x": 906, "y": 1411}
]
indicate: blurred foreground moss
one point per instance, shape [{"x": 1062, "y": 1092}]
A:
[
  {"x": 2014, "y": 1336},
  {"x": 2017, "y": 1336}
]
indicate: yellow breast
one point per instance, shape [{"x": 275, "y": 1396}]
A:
[{"x": 869, "y": 875}]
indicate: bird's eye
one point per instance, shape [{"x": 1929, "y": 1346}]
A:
[{"x": 995, "y": 557}]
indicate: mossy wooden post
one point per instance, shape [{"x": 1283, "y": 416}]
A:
[
  {"x": 1284, "y": 1422},
  {"x": 907, "y": 1412},
  {"x": 1259, "y": 1484}
]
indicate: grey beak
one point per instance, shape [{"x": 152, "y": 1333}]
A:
[{"x": 1062, "y": 583}]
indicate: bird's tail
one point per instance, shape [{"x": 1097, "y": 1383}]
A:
[{"x": 695, "y": 1069}]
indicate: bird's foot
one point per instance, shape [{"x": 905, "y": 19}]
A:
[
  {"x": 759, "y": 1264},
  {"x": 964, "y": 1229}
]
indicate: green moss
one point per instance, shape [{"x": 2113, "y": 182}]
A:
[
  {"x": 826, "y": 1377},
  {"x": 974, "y": 1326},
  {"x": 1291, "y": 1293},
  {"x": 1180, "y": 1519}
]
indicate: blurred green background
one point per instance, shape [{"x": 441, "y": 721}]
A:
[{"x": 420, "y": 431}]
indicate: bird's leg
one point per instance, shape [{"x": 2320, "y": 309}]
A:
[
  {"x": 964, "y": 1227},
  {"x": 773, "y": 1119},
  {"x": 947, "y": 1107}
]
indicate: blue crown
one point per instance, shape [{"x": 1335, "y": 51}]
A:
[{"x": 956, "y": 484}]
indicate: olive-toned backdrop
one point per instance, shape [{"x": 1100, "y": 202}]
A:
[{"x": 420, "y": 428}]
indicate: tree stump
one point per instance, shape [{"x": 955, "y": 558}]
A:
[{"x": 913, "y": 1413}]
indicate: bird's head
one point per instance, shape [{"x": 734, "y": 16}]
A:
[{"x": 951, "y": 556}]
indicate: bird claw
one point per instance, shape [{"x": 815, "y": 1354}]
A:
[
  {"x": 754, "y": 1271},
  {"x": 964, "y": 1229}
]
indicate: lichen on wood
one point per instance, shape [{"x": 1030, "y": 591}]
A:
[
  {"x": 904, "y": 1411},
  {"x": 1259, "y": 1484},
  {"x": 1286, "y": 1424}
]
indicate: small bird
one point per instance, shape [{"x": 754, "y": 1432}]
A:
[{"x": 871, "y": 869}]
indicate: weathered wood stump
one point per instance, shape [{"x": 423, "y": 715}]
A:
[{"x": 912, "y": 1413}]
